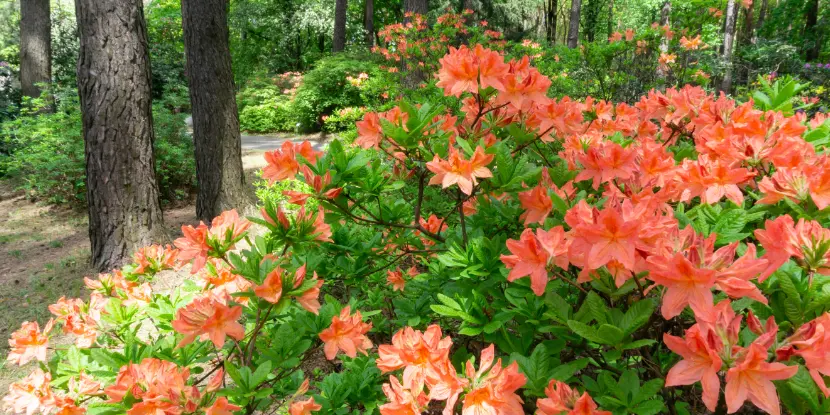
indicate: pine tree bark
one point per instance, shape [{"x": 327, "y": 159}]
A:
[
  {"x": 35, "y": 46},
  {"x": 749, "y": 27},
  {"x": 573, "y": 29},
  {"x": 114, "y": 90},
  {"x": 415, "y": 6},
  {"x": 369, "y": 22},
  {"x": 813, "y": 43},
  {"x": 218, "y": 145},
  {"x": 339, "y": 40},
  {"x": 728, "y": 45}
]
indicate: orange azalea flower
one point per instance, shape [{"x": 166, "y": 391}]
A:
[
  {"x": 665, "y": 59},
  {"x": 464, "y": 70},
  {"x": 700, "y": 363},
  {"x": 193, "y": 246},
  {"x": 812, "y": 342},
  {"x": 369, "y": 131},
  {"x": 223, "y": 407},
  {"x": 155, "y": 382},
  {"x": 493, "y": 388},
  {"x": 155, "y": 258},
  {"x": 712, "y": 180},
  {"x": 605, "y": 162},
  {"x": 396, "y": 279},
  {"x": 776, "y": 238},
  {"x": 314, "y": 224},
  {"x": 84, "y": 385},
  {"x": 532, "y": 254},
  {"x": 615, "y": 37},
  {"x": 30, "y": 395},
  {"x": 457, "y": 170},
  {"x": 207, "y": 318},
  {"x": 283, "y": 164},
  {"x": 415, "y": 351},
  {"x": 402, "y": 401},
  {"x": 690, "y": 44},
  {"x": 629, "y": 35},
  {"x": 347, "y": 333},
  {"x": 271, "y": 288},
  {"x": 751, "y": 378},
  {"x": 560, "y": 398},
  {"x": 610, "y": 236},
  {"x": 29, "y": 343},
  {"x": 309, "y": 300},
  {"x": 537, "y": 205},
  {"x": 685, "y": 284},
  {"x": 305, "y": 407}
]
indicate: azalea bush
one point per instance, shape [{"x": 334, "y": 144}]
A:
[{"x": 509, "y": 254}]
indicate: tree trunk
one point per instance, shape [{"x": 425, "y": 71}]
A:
[
  {"x": 573, "y": 30},
  {"x": 369, "y": 22},
  {"x": 213, "y": 99},
  {"x": 339, "y": 40},
  {"x": 728, "y": 45},
  {"x": 610, "y": 17},
  {"x": 762, "y": 15},
  {"x": 748, "y": 29},
  {"x": 813, "y": 43},
  {"x": 415, "y": 6},
  {"x": 114, "y": 90},
  {"x": 665, "y": 20},
  {"x": 35, "y": 46},
  {"x": 550, "y": 20}
]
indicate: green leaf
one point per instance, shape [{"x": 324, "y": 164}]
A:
[
  {"x": 103, "y": 408},
  {"x": 566, "y": 371},
  {"x": 611, "y": 334},
  {"x": 585, "y": 331},
  {"x": 637, "y": 315},
  {"x": 638, "y": 344},
  {"x": 729, "y": 225}
]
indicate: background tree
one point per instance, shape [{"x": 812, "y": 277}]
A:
[
  {"x": 573, "y": 29},
  {"x": 35, "y": 46},
  {"x": 114, "y": 91},
  {"x": 369, "y": 22},
  {"x": 728, "y": 45},
  {"x": 551, "y": 7},
  {"x": 213, "y": 98},
  {"x": 415, "y": 6},
  {"x": 339, "y": 40},
  {"x": 811, "y": 33}
]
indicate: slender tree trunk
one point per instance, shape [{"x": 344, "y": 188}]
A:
[
  {"x": 114, "y": 89},
  {"x": 339, "y": 40},
  {"x": 369, "y": 22},
  {"x": 573, "y": 30},
  {"x": 748, "y": 29},
  {"x": 413, "y": 74},
  {"x": 35, "y": 46},
  {"x": 813, "y": 43},
  {"x": 213, "y": 99},
  {"x": 551, "y": 16},
  {"x": 665, "y": 20},
  {"x": 762, "y": 14},
  {"x": 728, "y": 45},
  {"x": 610, "y": 17}
]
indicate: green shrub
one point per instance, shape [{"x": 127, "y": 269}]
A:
[
  {"x": 326, "y": 89},
  {"x": 44, "y": 153},
  {"x": 344, "y": 119},
  {"x": 266, "y": 117}
]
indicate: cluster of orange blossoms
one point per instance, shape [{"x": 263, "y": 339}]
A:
[{"x": 635, "y": 232}]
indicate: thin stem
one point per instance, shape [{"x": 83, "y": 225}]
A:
[{"x": 461, "y": 216}]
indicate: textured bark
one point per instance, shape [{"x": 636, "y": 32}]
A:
[
  {"x": 114, "y": 90},
  {"x": 415, "y": 6},
  {"x": 369, "y": 22},
  {"x": 215, "y": 120},
  {"x": 339, "y": 40},
  {"x": 550, "y": 20},
  {"x": 610, "y": 17},
  {"x": 35, "y": 46},
  {"x": 813, "y": 38},
  {"x": 728, "y": 45},
  {"x": 762, "y": 15},
  {"x": 749, "y": 27},
  {"x": 573, "y": 29},
  {"x": 665, "y": 19}
]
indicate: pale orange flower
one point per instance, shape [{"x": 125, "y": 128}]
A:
[
  {"x": 700, "y": 363},
  {"x": 193, "y": 246},
  {"x": 493, "y": 388},
  {"x": 347, "y": 333},
  {"x": 416, "y": 352},
  {"x": 207, "y": 318},
  {"x": 155, "y": 258},
  {"x": 457, "y": 170},
  {"x": 532, "y": 254},
  {"x": 223, "y": 407},
  {"x": 685, "y": 284},
  {"x": 537, "y": 205},
  {"x": 30, "y": 395},
  {"x": 402, "y": 401},
  {"x": 812, "y": 342},
  {"x": 690, "y": 44},
  {"x": 561, "y": 399},
  {"x": 271, "y": 288},
  {"x": 751, "y": 378},
  {"x": 305, "y": 407},
  {"x": 465, "y": 70},
  {"x": 396, "y": 279},
  {"x": 28, "y": 343},
  {"x": 283, "y": 164}
]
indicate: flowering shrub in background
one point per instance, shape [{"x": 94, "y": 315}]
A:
[{"x": 509, "y": 254}]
